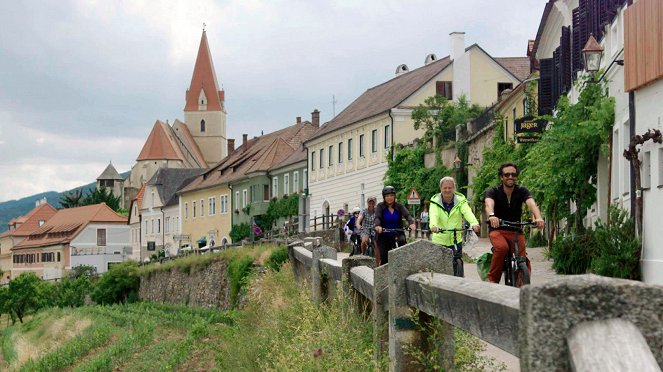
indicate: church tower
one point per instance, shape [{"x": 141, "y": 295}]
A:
[{"x": 204, "y": 112}]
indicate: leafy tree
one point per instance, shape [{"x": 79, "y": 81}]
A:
[
  {"x": 25, "y": 294},
  {"x": 439, "y": 117},
  {"x": 407, "y": 170},
  {"x": 72, "y": 199},
  {"x": 86, "y": 271},
  {"x": 120, "y": 284},
  {"x": 72, "y": 289},
  {"x": 102, "y": 195},
  {"x": 562, "y": 166},
  {"x": 239, "y": 232}
]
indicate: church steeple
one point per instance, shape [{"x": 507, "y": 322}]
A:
[
  {"x": 204, "y": 111},
  {"x": 204, "y": 89}
]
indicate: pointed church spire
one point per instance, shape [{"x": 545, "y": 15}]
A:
[{"x": 204, "y": 89}]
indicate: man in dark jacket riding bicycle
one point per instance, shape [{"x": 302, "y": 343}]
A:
[{"x": 505, "y": 202}]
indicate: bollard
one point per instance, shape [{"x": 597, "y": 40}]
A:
[{"x": 419, "y": 256}]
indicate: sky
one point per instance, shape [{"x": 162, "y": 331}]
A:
[{"x": 83, "y": 82}]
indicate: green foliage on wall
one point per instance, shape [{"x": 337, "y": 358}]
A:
[
  {"x": 407, "y": 170},
  {"x": 239, "y": 232}
]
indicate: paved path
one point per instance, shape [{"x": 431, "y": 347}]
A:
[{"x": 541, "y": 272}]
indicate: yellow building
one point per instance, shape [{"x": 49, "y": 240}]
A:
[{"x": 348, "y": 155}]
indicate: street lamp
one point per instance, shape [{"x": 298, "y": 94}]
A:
[
  {"x": 457, "y": 162},
  {"x": 592, "y": 53}
]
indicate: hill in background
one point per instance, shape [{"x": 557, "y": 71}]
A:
[{"x": 16, "y": 208}]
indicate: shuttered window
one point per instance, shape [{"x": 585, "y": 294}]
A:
[
  {"x": 546, "y": 67},
  {"x": 445, "y": 89}
]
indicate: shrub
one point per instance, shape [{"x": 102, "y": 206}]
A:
[
  {"x": 71, "y": 291},
  {"x": 277, "y": 258},
  {"x": 537, "y": 240},
  {"x": 573, "y": 253},
  {"x": 618, "y": 252},
  {"x": 119, "y": 284},
  {"x": 239, "y": 232}
]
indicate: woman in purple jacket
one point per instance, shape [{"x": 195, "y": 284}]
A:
[{"x": 389, "y": 214}]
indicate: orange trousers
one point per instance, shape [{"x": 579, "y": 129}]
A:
[{"x": 502, "y": 241}]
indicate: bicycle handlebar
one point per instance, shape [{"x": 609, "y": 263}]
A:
[
  {"x": 440, "y": 231},
  {"x": 384, "y": 229},
  {"x": 515, "y": 224}
]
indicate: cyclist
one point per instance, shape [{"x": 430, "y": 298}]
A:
[
  {"x": 505, "y": 202},
  {"x": 350, "y": 227},
  {"x": 447, "y": 210},
  {"x": 389, "y": 215},
  {"x": 366, "y": 222}
]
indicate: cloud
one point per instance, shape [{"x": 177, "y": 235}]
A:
[{"x": 83, "y": 81}]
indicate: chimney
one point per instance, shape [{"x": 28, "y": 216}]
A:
[
  {"x": 457, "y": 44},
  {"x": 401, "y": 69},
  {"x": 315, "y": 118},
  {"x": 299, "y": 119},
  {"x": 245, "y": 142},
  {"x": 41, "y": 201},
  {"x": 231, "y": 145}
]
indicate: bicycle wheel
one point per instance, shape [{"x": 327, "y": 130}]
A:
[
  {"x": 522, "y": 275},
  {"x": 459, "y": 270},
  {"x": 507, "y": 272}
]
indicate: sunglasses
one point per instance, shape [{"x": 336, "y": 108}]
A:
[{"x": 514, "y": 175}]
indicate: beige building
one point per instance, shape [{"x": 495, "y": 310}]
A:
[
  {"x": 348, "y": 155},
  {"x": 19, "y": 229}
]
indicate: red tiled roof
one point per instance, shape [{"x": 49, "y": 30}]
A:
[
  {"x": 204, "y": 77},
  {"x": 30, "y": 221},
  {"x": 188, "y": 144},
  {"x": 67, "y": 223}
]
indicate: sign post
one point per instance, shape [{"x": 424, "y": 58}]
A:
[{"x": 413, "y": 199}]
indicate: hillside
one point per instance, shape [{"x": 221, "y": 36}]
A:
[{"x": 15, "y": 208}]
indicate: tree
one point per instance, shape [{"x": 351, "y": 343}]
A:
[
  {"x": 561, "y": 167},
  {"x": 72, "y": 199},
  {"x": 102, "y": 195},
  {"x": 72, "y": 289},
  {"x": 439, "y": 117},
  {"x": 120, "y": 284},
  {"x": 26, "y": 294}
]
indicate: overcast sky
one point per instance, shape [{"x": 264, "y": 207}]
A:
[{"x": 82, "y": 82}]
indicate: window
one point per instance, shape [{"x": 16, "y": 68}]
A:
[
  {"x": 295, "y": 182},
  {"x": 153, "y": 200},
  {"x": 275, "y": 187},
  {"x": 361, "y": 145},
  {"x": 166, "y": 226},
  {"x": 387, "y": 136},
  {"x": 212, "y": 206},
  {"x": 236, "y": 200},
  {"x": 202, "y": 207},
  {"x": 374, "y": 141},
  {"x": 660, "y": 167},
  {"x": 322, "y": 158},
  {"x": 159, "y": 225},
  {"x": 313, "y": 160},
  {"x": 186, "y": 210},
  {"x": 501, "y": 87},
  {"x": 152, "y": 226},
  {"x": 145, "y": 230},
  {"x": 135, "y": 210},
  {"x": 193, "y": 209},
  {"x": 646, "y": 170},
  {"x": 349, "y": 148},
  {"x": 58, "y": 256},
  {"x": 42, "y": 222},
  {"x": 286, "y": 183},
  {"x": 340, "y": 152},
  {"x": 525, "y": 113},
  {"x": 265, "y": 192},
  {"x": 101, "y": 237},
  {"x": 305, "y": 181},
  {"x": 245, "y": 198},
  {"x": 626, "y": 174},
  {"x": 202, "y": 126},
  {"x": 331, "y": 156},
  {"x": 444, "y": 89},
  {"x": 514, "y": 117},
  {"x": 223, "y": 200}
]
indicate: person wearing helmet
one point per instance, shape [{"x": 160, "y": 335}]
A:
[
  {"x": 389, "y": 214},
  {"x": 350, "y": 227},
  {"x": 366, "y": 223}
]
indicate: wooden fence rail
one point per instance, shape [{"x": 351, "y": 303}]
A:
[{"x": 580, "y": 323}]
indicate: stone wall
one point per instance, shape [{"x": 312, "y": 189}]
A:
[{"x": 203, "y": 287}]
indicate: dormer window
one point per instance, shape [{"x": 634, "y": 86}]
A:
[{"x": 202, "y": 126}]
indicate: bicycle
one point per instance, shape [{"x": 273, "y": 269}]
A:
[
  {"x": 397, "y": 242},
  {"x": 458, "y": 264},
  {"x": 355, "y": 244},
  {"x": 515, "y": 270}
]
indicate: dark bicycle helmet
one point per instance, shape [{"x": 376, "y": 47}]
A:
[{"x": 388, "y": 190}]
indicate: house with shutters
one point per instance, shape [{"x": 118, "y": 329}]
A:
[
  {"x": 19, "y": 229},
  {"x": 631, "y": 35},
  {"x": 240, "y": 186},
  {"x": 91, "y": 235},
  {"x": 348, "y": 156}
]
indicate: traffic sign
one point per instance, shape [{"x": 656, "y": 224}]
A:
[{"x": 413, "y": 197}]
